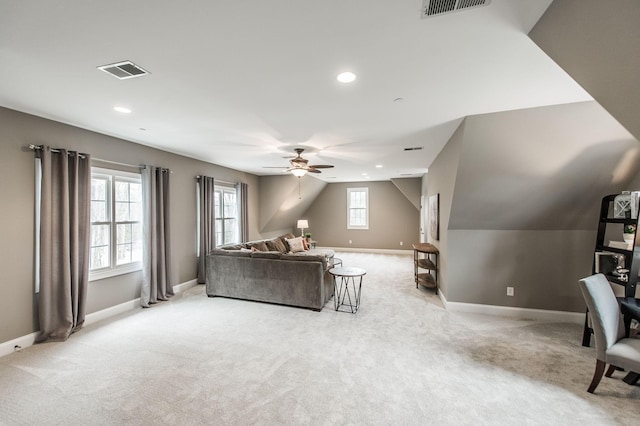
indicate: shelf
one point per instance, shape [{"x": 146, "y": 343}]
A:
[
  {"x": 600, "y": 247},
  {"x": 425, "y": 248},
  {"x": 426, "y": 280},
  {"x": 618, "y": 220},
  {"x": 426, "y": 264},
  {"x": 630, "y": 253},
  {"x": 425, "y": 258}
]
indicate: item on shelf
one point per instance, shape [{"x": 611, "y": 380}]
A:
[
  {"x": 629, "y": 234},
  {"x": 622, "y": 205},
  {"x": 635, "y": 204},
  {"x": 607, "y": 262},
  {"x": 619, "y": 245}
]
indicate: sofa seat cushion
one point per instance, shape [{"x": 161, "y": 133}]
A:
[{"x": 314, "y": 255}]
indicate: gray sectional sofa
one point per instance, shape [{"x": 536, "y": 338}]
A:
[{"x": 274, "y": 275}]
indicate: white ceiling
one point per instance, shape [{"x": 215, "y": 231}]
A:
[{"x": 240, "y": 83}]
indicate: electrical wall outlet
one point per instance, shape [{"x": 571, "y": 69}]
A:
[
  {"x": 510, "y": 291},
  {"x": 401, "y": 243},
  {"x": 349, "y": 241}
]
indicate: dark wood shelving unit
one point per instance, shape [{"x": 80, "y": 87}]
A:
[
  {"x": 425, "y": 265},
  {"x": 631, "y": 256}
]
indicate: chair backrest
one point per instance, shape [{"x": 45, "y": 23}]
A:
[{"x": 606, "y": 319}]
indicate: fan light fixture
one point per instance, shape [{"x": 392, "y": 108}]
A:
[
  {"x": 298, "y": 172},
  {"x": 302, "y": 224}
]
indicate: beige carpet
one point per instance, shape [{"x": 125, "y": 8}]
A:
[{"x": 401, "y": 360}]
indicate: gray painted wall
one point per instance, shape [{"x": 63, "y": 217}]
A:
[
  {"x": 520, "y": 194},
  {"x": 18, "y": 130},
  {"x": 392, "y": 218},
  {"x": 597, "y": 43},
  {"x": 441, "y": 180}
]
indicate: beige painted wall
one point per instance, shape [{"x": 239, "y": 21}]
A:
[
  {"x": 597, "y": 43},
  {"x": 18, "y": 130},
  {"x": 392, "y": 218}
]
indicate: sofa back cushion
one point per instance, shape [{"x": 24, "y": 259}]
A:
[
  {"x": 258, "y": 245},
  {"x": 232, "y": 247},
  {"x": 237, "y": 253},
  {"x": 276, "y": 245}
]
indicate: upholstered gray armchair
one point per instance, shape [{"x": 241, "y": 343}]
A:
[{"x": 611, "y": 345}]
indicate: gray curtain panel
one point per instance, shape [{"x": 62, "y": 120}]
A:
[
  {"x": 156, "y": 258},
  {"x": 206, "y": 194},
  {"x": 64, "y": 242},
  {"x": 243, "y": 190}
]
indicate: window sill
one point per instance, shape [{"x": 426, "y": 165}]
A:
[{"x": 108, "y": 273}]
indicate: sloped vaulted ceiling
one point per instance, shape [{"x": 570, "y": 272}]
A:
[
  {"x": 597, "y": 43},
  {"x": 540, "y": 168}
]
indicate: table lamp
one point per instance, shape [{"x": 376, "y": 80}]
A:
[{"x": 302, "y": 224}]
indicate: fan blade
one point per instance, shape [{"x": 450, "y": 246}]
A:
[
  {"x": 321, "y": 166},
  {"x": 311, "y": 170}
]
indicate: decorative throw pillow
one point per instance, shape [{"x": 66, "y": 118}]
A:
[
  {"x": 304, "y": 243},
  {"x": 258, "y": 245},
  {"x": 295, "y": 244}
]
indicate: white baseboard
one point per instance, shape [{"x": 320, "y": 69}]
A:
[
  {"x": 181, "y": 288},
  {"x": 17, "y": 344},
  {"x": 367, "y": 250},
  {"x": 511, "y": 312},
  {"x": 25, "y": 341}
]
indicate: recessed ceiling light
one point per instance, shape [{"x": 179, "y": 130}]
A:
[
  {"x": 122, "y": 109},
  {"x": 378, "y": 166},
  {"x": 346, "y": 77}
]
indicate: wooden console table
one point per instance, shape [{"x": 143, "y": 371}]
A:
[{"x": 425, "y": 257}]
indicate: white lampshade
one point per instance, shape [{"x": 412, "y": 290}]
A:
[
  {"x": 303, "y": 223},
  {"x": 299, "y": 172}
]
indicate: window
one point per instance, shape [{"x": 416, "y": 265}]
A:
[
  {"x": 116, "y": 223},
  {"x": 227, "y": 223},
  {"x": 357, "y": 208}
]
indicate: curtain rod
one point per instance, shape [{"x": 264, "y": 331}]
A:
[
  {"x": 82, "y": 155},
  {"x": 219, "y": 181},
  {"x": 57, "y": 150}
]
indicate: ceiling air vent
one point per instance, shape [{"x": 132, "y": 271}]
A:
[
  {"x": 124, "y": 70},
  {"x": 439, "y": 7},
  {"x": 414, "y": 148}
]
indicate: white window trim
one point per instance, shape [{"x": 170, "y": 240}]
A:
[
  {"x": 229, "y": 187},
  {"x": 349, "y": 191},
  {"x": 114, "y": 270}
]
